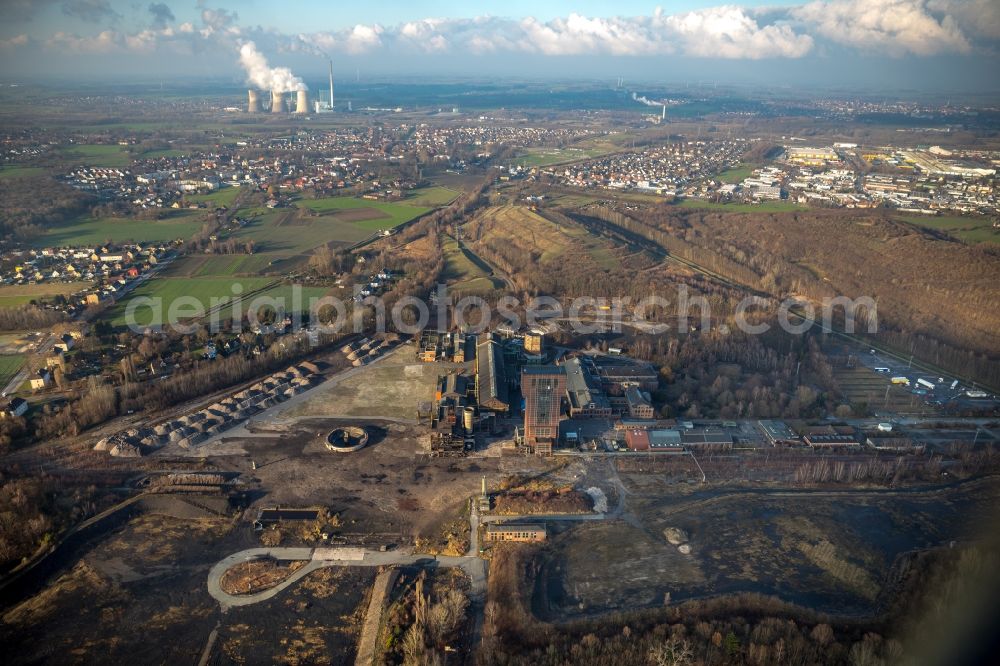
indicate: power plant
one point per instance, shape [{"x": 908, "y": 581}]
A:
[
  {"x": 253, "y": 105},
  {"x": 277, "y": 102},
  {"x": 301, "y": 102},
  {"x": 321, "y": 106}
]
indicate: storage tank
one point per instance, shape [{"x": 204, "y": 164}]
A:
[
  {"x": 469, "y": 418},
  {"x": 253, "y": 105},
  {"x": 277, "y": 102},
  {"x": 302, "y": 102}
]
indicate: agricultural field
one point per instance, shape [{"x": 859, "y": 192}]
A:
[
  {"x": 10, "y": 365},
  {"x": 90, "y": 231},
  {"x": 223, "y": 265},
  {"x": 15, "y": 295},
  {"x": 290, "y": 233},
  {"x": 214, "y": 294},
  {"x": 364, "y": 214},
  {"x": 967, "y": 229},
  {"x": 98, "y": 155},
  {"x": 22, "y": 172}
]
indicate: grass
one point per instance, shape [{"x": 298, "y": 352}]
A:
[
  {"x": 736, "y": 175},
  {"x": 10, "y": 365},
  {"x": 225, "y": 196},
  {"x": 431, "y": 196},
  {"x": 15, "y": 295},
  {"x": 165, "y": 291},
  {"x": 95, "y": 231},
  {"x": 763, "y": 207},
  {"x": 463, "y": 270},
  {"x": 394, "y": 214},
  {"x": 22, "y": 172},
  {"x": 288, "y": 233},
  {"x": 99, "y": 155},
  {"x": 542, "y": 157},
  {"x": 168, "y": 290},
  {"x": 968, "y": 229},
  {"x": 221, "y": 266},
  {"x": 166, "y": 152}
]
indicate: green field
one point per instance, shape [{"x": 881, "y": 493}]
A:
[
  {"x": 542, "y": 157},
  {"x": 14, "y": 295},
  {"x": 288, "y": 233},
  {"x": 10, "y": 364},
  {"x": 392, "y": 214},
  {"x": 736, "y": 175},
  {"x": 968, "y": 229},
  {"x": 22, "y": 172},
  {"x": 167, "y": 290},
  {"x": 431, "y": 196},
  {"x": 99, "y": 155},
  {"x": 91, "y": 231},
  {"x": 221, "y": 265},
  {"x": 763, "y": 207},
  {"x": 464, "y": 271},
  {"x": 225, "y": 196},
  {"x": 166, "y": 152}
]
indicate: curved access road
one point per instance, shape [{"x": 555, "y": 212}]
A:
[{"x": 319, "y": 558}]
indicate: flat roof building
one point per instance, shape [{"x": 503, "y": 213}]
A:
[
  {"x": 543, "y": 387},
  {"x": 514, "y": 532}
]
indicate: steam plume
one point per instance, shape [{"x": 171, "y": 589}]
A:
[{"x": 265, "y": 77}]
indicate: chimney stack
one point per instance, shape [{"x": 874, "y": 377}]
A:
[
  {"x": 302, "y": 102},
  {"x": 253, "y": 105},
  {"x": 277, "y": 102}
]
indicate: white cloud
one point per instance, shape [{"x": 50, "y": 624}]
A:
[
  {"x": 13, "y": 42},
  {"x": 886, "y": 27},
  {"x": 104, "y": 42},
  {"x": 893, "y": 27}
]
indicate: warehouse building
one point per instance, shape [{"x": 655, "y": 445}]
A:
[{"x": 515, "y": 532}]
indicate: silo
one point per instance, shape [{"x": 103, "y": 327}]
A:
[
  {"x": 302, "y": 102},
  {"x": 277, "y": 102},
  {"x": 253, "y": 105},
  {"x": 469, "y": 419}
]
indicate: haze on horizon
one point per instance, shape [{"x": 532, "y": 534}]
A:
[{"x": 930, "y": 46}]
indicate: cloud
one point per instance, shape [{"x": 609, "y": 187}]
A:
[
  {"x": 162, "y": 16},
  {"x": 93, "y": 11},
  {"x": 881, "y": 27},
  {"x": 104, "y": 42},
  {"x": 892, "y": 27},
  {"x": 13, "y": 42},
  {"x": 724, "y": 32},
  {"x": 980, "y": 18}
]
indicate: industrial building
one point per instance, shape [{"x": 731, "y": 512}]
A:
[
  {"x": 543, "y": 387},
  {"x": 583, "y": 391},
  {"x": 778, "y": 432},
  {"x": 639, "y": 406},
  {"x": 664, "y": 440},
  {"x": 453, "y": 417},
  {"x": 515, "y": 532},
  {"x": 617, "y": 372},
  {"x": 492, "y": 392}
]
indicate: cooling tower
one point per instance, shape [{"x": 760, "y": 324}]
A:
[
  {"x": 302, "y": 102},
  {"x": 253, "y": 105},
  {"x": 277, "y": 102}
]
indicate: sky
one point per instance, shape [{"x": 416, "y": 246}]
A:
[{"x": 922, "y": 45}]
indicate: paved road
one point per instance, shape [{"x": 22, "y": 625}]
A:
[{"x": 473, "y": 566}]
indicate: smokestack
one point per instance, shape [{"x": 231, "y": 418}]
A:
[
  {"x": 277, "y": 102},
  {"x": 301, "y": 102},
  {"x": 331, "y": 85},
  {"x": 253, "y": 105}
]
